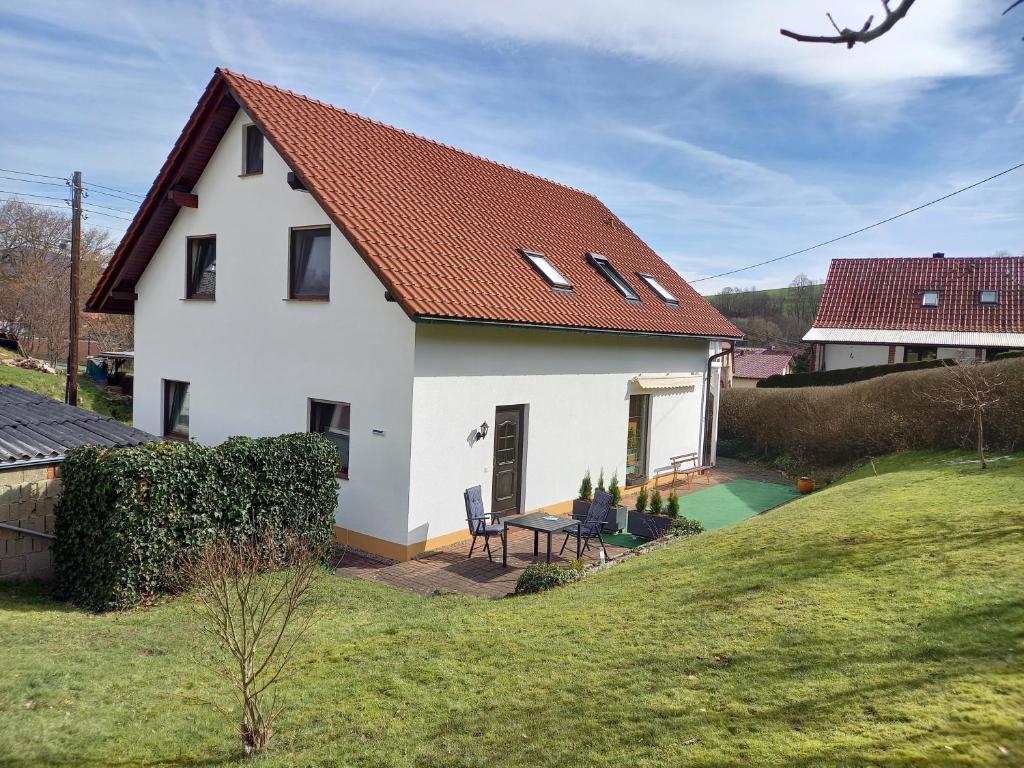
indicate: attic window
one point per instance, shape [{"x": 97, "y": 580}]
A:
[
  {"x": 547, "y": 270},
  {"x": 658, "y": 288},
  {"x": 930, "y": 299},
  {"x": 988, "y": 297},
  {"x": 605, "y": 267},
  {"x": 252, "y": 159}
]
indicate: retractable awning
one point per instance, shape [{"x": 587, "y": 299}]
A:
[{"x": 668, "y": 380}]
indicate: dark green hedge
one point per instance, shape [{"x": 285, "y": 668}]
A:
[
  {"x": 844, "y": 375},
  {"x": 126, "y": 516},
  {"x": 1009, "y": 354}
]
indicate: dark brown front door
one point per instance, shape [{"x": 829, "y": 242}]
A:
[{"x": 508, "y": 458}]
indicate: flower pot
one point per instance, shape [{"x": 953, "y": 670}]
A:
[
  {"x": 580, "y": 509},
  {"x": 805, "y": 484},
  {"x": 647, "y": 525}
]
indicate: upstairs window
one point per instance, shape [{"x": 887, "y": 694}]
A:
[
  {"x": 988, "y": 297},
  {"x": 201, "y": 277},
  {"x": 333, "y": 421},
  {"x": 930, "y": 299},
  {"x": 547, "y": 270},
  {"x": 658, "y": 288},
  {"x": 309, "y": 264},
  {"x": 252, "y": 161},
  {"x": 605, "y": 267},
  {"x": 176, "y": 409}
]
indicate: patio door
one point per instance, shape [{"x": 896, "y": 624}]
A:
[
  {"x": 508, "y": 459},
  {"x": 636, "y": 438}
]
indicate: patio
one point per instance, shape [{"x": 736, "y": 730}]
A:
[{"x": 449, "y": 570}]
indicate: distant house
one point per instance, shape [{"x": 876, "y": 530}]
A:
[
  {"x": 445, "y": 320},
  {"x": 35, "y": 435},
  {"x": 752, "y": 364},
  {"x": 878, "y": 311}
]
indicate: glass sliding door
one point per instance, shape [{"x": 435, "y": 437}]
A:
[{"x": 636, "y": 438}]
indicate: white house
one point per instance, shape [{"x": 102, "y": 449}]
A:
[
  {"x": 883, "y": 311},
  {"x": 445, "y": 320}
]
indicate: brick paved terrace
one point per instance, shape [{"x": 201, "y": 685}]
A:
[{"x": 448, "y": 569}]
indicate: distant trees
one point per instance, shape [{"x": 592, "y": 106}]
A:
[{"x": 775, "y": 317}]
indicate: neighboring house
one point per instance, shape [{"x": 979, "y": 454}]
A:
[
  {"x": 878, "y": 311},
  {"x": 446, "y": 321},
  {"x": 35, "y": 436},
  {"x": 751, "y": 364}
]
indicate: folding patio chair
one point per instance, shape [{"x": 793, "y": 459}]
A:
[
  {"x": 597, "y": 516},
  {"x": 476, "y": 519}
]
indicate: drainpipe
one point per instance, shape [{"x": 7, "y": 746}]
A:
[{"x": 704, "y": 407}]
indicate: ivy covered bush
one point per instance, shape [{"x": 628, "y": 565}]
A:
[
  {"x": 541, "y": 576},
  {"x": 685, "y": 526},
  {"x": 126, "y": 516}
]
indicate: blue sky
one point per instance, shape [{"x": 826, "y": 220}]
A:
[{"x": 717, "y": 140}]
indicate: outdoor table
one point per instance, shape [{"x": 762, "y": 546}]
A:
[{"x": 538, "y": 522}]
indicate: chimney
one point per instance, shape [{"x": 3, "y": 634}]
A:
[{"x": 938, "y": 255}]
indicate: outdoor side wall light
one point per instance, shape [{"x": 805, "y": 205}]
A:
[{"x": 481, "y": 433}]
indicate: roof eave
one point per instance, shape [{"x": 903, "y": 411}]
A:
[{"x": 439, "y": 319}]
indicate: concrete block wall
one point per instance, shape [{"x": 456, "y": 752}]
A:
[{"x": 27, "y": 500}]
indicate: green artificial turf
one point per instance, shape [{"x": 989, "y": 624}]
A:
[
  {"x": 627, "y": 540},
  {"x": 733, "y": 502},
  {"x": 875, "y": 623}
]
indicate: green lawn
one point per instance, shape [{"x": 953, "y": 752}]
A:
[
  {"x": 90, "y": 396},
  {"x": 876, "y": 622}
]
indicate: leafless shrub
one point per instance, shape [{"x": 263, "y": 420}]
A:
[{"x": 252, "y": 600}]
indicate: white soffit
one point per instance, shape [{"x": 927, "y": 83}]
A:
[
  {"x": 667, "y": 380},
  {"x": 925, "y": 338}
]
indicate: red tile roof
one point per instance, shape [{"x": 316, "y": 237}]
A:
[
  {"x": 759, "y": 363},
  {"x": 438, "y": 226},
  {"x": 886, "y": 294}
]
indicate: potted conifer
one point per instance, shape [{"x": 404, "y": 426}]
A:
[
  {"x": 581, "y": 505},
  {"x": 647, "y": 519}
]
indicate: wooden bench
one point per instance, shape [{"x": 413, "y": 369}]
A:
[{"x": 685, "y": 466}]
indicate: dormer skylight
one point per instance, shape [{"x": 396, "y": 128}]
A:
[
  {"x": 930, "y": 299},
  {"x": 658, "y": 288},
  {"x": 547, "y": 270},
  {"x": 988, "y": 297},
  {"x": 605, "y": 267}
]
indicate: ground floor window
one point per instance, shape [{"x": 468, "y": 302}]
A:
[
  {"x": 333, "y": 421},
  {"x": 176, "y": 405},
  {"x": 916, "y": 354}
]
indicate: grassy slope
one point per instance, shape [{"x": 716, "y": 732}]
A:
[
  {"x": 876, "y": 622},
  {"x": 90, "y": 396}
]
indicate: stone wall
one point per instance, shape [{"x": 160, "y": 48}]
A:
[{"x": 27, "y": 500}]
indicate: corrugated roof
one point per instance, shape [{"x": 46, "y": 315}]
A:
[
  {"x": 441, "y": 228},
  {"x": 35, "y": 428},
  {"x": 887, "y": 294}
]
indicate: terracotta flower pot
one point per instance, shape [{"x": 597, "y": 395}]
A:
[{"x": 805, "y": 484}]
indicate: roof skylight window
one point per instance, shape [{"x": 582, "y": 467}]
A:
[
  {"x": 612, "y": 276},
  {"x": 930, "y": 299},
  {"x": 658, "y": 288},
  {"x": 547, "y": 270},
  {"x": 988, "y": 297}
]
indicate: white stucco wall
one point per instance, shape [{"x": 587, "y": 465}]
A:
[
  {"x": 855, "y": 355},
  {"x": 576, "y": 390},
  {"x": 254, "y": 359}
]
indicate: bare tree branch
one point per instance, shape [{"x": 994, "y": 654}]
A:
[{"x": 865, "y": 34}]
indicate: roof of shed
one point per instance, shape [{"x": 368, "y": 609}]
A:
[
  {"x": 34, "y": 428},
  {"x": 440, "y": 228},
  {"x": 759, "y": 363}
]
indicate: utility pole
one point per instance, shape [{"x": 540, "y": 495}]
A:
[{"x": 71, "y": 393}]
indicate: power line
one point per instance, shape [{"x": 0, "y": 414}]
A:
[
  {"x": 28, "y": 202},
  {"x": 108, "y": 208},
  {"x": 38, "y": 175},
  {"x": 862, "y": 229},
  {"x": 33, "y": 181},
  {"x": 111, "y": 194},
  {"x": 115, "y": 189},
  {"x": 29, "y": 194},
  {"x": 108, "y": 215}
]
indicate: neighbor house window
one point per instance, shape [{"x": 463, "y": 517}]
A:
[
  {"x": 547, "y": 270},
  {"x": 930, "y": 299},
  {"x": 658, "y": 288},
  {"x": 989, "y": 297},
  {"x": 253, "y": 159},
  {"x": 176, "y": 409},
  {"x": 917, "y": 354},
  {"x": 309, "y": 266},
  {"x": 332, "y": 420},
  {"x": 201, "y": 281},
  {"x": 612, "y": 276}
]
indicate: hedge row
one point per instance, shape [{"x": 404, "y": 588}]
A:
[
  {"x": 844, "y": 375},
  {"x": 126, "y": 516},
  {"x": 825, "y": 426},
  {"x": 1009, "y": 354}
]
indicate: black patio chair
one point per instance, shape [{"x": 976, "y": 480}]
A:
[
  {"x": 591, "y": 527},
  {"x": 476, "y": 519}
]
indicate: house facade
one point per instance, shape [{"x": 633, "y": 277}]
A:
[
  {"x": 444, "y": 320},
  {"x": 883, "y": 311}
]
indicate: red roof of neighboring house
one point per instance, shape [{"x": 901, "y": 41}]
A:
[
  {"x": 439, "y": 227},
  {"x": 759, "y": 363},
  {"x": 887, "y": 293}
]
